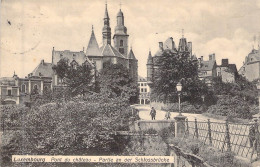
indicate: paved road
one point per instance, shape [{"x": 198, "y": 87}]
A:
[{"x": 144, "y": 113}]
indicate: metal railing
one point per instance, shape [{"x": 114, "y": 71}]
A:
[{"x": 240, "y": 138}]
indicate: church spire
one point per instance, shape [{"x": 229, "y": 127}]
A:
[{"x": 106, "y": 29}]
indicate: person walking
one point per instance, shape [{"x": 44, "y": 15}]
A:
[
  {"x": 167, "y": 115},
  {"x": 153, "y": 113}
]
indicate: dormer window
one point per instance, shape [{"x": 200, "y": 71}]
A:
[{"x": 121, "y": 43}]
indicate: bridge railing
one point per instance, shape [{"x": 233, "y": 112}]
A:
[{"x": 239, "y": 138}]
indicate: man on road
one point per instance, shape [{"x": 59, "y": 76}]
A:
[{"x": 153, "y": 113}]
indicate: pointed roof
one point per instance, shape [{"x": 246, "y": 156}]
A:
[
  {"x": 93, "y": 48},
  {"x": 106, "y": 13},
  {"x": 150, "y": 58},
  {"x": 131, "y": 54},
  {"x": 110, "y": 51}
]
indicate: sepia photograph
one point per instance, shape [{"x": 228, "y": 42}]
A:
[{"x": 130, "y": 83}]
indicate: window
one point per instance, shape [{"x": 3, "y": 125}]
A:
[
  {"x": 142, "y": 84},
  {"x": 35, "y": 87},
  {"x": 121, "y": 50},
  {"x": 23, "y": 88},
  {"x": 121, "y": 43},
  {"x": 142, "y": 90},
  {"x": 145, "y": 90},
  {"x": 219, "y": 74},
  {"x": 9, "y": 92}
]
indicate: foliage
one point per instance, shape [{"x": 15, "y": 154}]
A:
[
  {"x": 78, "y": 79},
  {"x": 82, "y": 126},
  {"x": 241, "y": 87},
  {"x": 165, "y": 133},
  {"x": 231, "y": 106},
  {"x": 173, "y": 68},
  {"x": 210, "y": 155},
  {"x": 115, "y": 81}
]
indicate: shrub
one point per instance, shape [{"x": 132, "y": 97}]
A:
[{"x": 150, "y": 131}]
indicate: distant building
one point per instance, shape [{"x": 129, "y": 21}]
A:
[
  {"x": 168, "y": 45},
  {"x": 15, "y": 90},
  {"x": 251, "y": 66},
  {"x": 207, "y": 69},
  {"x": 144, "y": 91},
  {"x": 227, "y": 72},
  {"x": 9, "y": 91}
]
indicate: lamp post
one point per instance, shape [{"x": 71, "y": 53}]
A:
[{"x": 179, "y": 88}]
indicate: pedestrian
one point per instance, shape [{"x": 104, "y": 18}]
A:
[
  {"x": 153, "y": 113},
  {"x": 167, "y": 115}
]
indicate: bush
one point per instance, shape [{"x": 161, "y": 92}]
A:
[
  {"x": 168, "y": 132},
  {"x": 234, "y": 107}
]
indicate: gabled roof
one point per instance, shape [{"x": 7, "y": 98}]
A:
[
  {"x": 207, "y": 65},
  {"x": 131, "y": 54},
  {"x": 110, "y": 51},
  {"x": 43, "y": 70},
  {"x": 80, "y": 56},
  {"x": 93, "y": 48},
  {"x": 169, "y": 44},
  {"x": 141, "y": 79}
]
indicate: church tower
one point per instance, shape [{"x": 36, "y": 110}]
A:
[
  {"x": 149, "y": 66},
  {"x": 121, "y": 37},
  {"x": 106, "y": 31}
]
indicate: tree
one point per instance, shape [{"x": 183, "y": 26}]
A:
[
  {"x": 173, "y": 68},
  {"x": 78, "y": 79},
  {"x": 115, "y": 80}
]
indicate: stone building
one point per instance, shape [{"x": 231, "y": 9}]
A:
[
  {"x": 99, "y": 56},
  {"x": 227, "y": 72},
  {"x": 251, "y": 66},
  {"x": 144, "y": 91},
  {"x": 15, "y": 90},
  {"x": 207, "y": 69}
]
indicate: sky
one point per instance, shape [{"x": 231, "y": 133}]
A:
[{"x": 31, "y": 28}]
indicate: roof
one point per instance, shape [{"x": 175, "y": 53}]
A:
[
  {"x": 141, "y": 79},
  {"x": 150, "y": 58},
  {"x": 131, "y": 54},
  {"x": 231, "y": 67},
  {"x": 169, "y": 44},
  {"x": 183, "y": 45},
  {"x": 93, "y": 48},
  {"x": 8, "y": 81},
  {"x": 43, "y": 70},
  {"x": 109, "y": 50},
  {"x": 80, "y": 56},
  {"x": 207, "y": 65}
]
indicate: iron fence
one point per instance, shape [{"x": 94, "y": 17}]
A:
[{"x": 240, "y": 138}]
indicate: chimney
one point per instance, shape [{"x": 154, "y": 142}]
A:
[
  {"x": 83, "y": 48},
  {"x": 42, "y": 61},
  {"x": 224, "y": 62},
  {"x": 201, "y": 58},
  {"x": 161, "y": 46}
]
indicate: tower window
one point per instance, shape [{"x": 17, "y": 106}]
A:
[
  {"x": 121, "y": 43},
  {"x": 9, "y": 92},
  {"x": 121, "y": 50},
  {"x": 23, "y": 89}
]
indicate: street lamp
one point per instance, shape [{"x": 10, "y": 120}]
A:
[{"x": 179, "y": 88}]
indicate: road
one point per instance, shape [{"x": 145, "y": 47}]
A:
[{"x": 144, "y": 113}]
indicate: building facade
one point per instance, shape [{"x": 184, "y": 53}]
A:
[
  {"x": 251, "y": 66},
  {"x": 207, "y": 69},
  {"x": 227, "y": 72},
  {"x": 144, "y": 91}
]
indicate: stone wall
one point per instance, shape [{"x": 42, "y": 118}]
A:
[{"x": 154, "y": 124}]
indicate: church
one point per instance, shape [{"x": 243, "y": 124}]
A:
[
  {"x": 17, "y": 90},
  {"x": 119, "y": 53}
]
